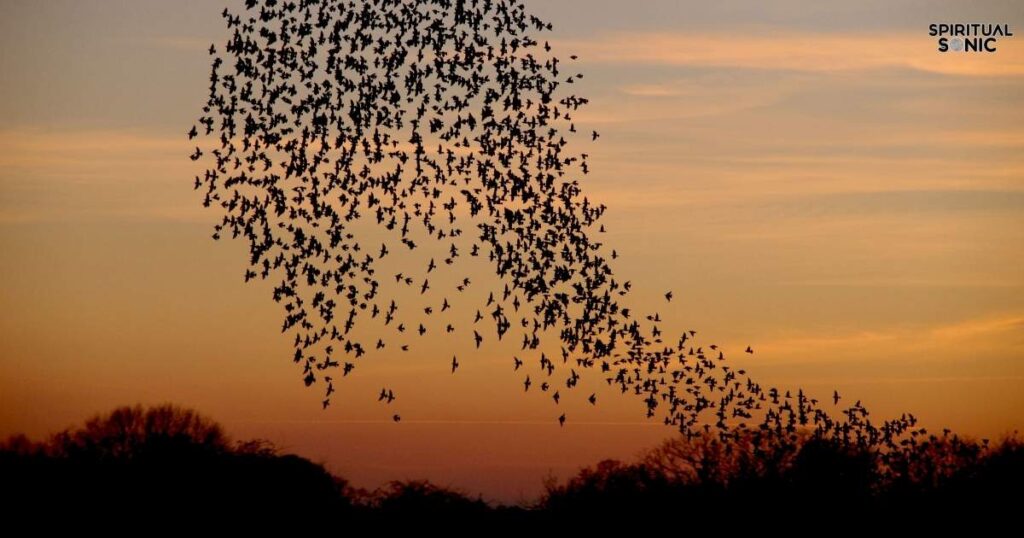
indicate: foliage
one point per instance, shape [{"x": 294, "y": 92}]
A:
[{"x": 169, "y": 460}]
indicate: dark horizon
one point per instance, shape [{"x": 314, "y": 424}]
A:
[{"x": 152, "y": 460}]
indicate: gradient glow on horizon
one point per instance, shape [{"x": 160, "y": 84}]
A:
[{"x": 811, "y": 178}]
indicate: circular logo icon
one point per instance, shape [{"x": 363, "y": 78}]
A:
[{"x": 956, "y": 44}]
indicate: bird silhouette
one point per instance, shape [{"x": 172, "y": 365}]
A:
[{"x": 322, "y": 129}]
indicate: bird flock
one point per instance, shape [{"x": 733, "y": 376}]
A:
[{"x": 447, "y": 126}]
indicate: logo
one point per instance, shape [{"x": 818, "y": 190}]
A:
[{"x": 970, "y": 37}]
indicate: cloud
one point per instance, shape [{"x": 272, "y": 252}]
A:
[
  {"x": 997, "y": 335},
  {"x": 794, "y": 51},
  {"x": 652, "y": 90},
  {"x": 649, "y": 99},
  {"x": 87, "y": 174},
  {"x": 981, "y": 328},
  {"x": 184, "y": 43},
  {"x": 77, "y": 152}
]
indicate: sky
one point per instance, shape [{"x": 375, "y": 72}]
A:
[{"x": 810, "y": 178}]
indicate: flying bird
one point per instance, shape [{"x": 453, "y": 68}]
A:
[{"x": 320, "y": 139}]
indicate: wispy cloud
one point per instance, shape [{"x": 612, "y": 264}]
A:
[
  {"x": 797, "y": 52},
  {"x": 78, "y": 151},
  {"x": 995, "y": 335},
  {"x": 84, "y": 174},
  {"x": 185, "y": 43},
  {"x": 658, "y": 101}
]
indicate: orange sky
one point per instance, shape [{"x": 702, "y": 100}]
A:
[{"x": 810, "y": 179}]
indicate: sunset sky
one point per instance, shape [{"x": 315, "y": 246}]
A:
[{"x": 810, "y": 178}]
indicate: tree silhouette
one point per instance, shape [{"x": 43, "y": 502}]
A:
[
  {"x": 179, "y": 467},
  {"x": 136, "y": 433},
  {"x": 161, "y": 459}
]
